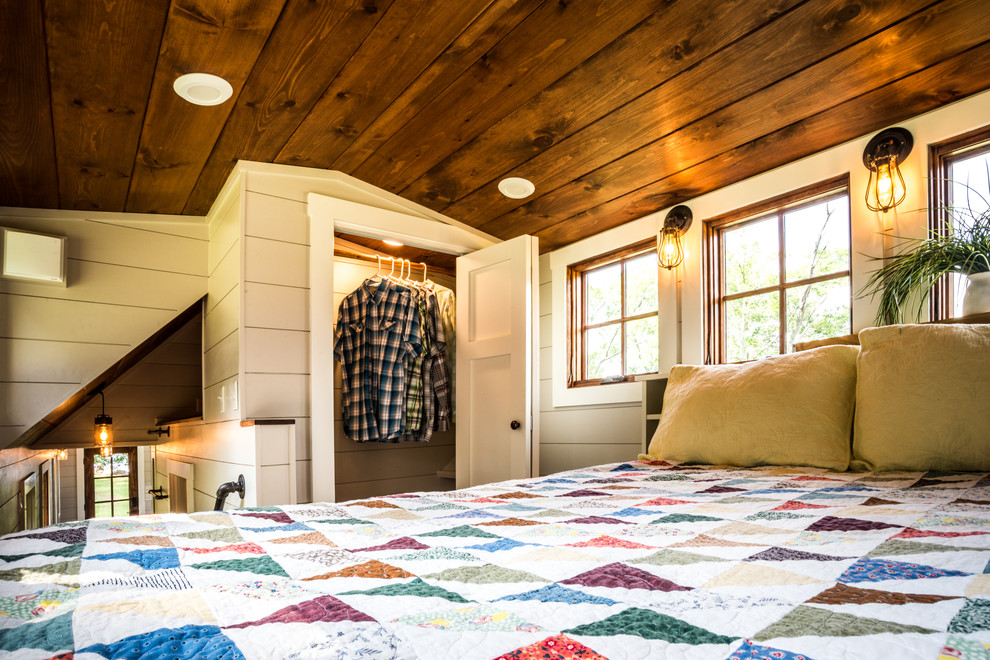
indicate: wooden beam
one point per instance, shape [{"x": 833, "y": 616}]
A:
[
  {"x": 221, "y": 37},
  {"x": 98, "y": 118},
  {"x": 310, "y": 44},
  {"x": 951, "y": 80},
  {"x": 27, "y": 145}
]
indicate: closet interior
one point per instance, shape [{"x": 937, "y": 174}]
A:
[{"x": 376, "y": 468}]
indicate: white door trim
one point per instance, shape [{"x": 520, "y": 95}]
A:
[{"x": 327, "y": 214}]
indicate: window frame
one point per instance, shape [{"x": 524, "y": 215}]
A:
[
  {"x": 713, "y": 260},
  {"x": 576, "y": 326},
  {"x": 941, "y": 301},
  {"x": 90, "y": 480}
]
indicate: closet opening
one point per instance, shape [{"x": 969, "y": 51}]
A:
[{"x": 423, "y": 456}]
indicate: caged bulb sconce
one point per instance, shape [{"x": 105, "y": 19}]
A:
[
  {"x": 670, "y": 249},
  {"x": 883, "y": 156},
  {"x": 103, "y": 429}
]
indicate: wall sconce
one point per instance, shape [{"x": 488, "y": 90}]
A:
[
  {"x": 61, "y": 454},
  {"x": 882, "y": 156},
  {"x": 103, "y": 429},
  {"x": 670, "y": 250}
]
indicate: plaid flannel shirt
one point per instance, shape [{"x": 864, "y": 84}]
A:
[{"x": 377, "y": 332}]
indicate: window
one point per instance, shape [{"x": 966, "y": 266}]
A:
[
  {"x": 111, "y": 483},
  {"x": 959, "y": 190},
  {"x": 778, "y": 273},
  {"x": 613, "y": 311}
]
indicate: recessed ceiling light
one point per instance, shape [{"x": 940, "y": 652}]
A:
[
  {"x": 389, "y": 241},
  {"x": 516, "y": 187},
  {"x": 203, "y": 88}
]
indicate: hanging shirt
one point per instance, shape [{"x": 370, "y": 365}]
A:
[
  {"x": 445, "y": 301},
  {"x": 377, "y": 332}
]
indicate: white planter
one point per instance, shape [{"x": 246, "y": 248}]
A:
[{"x": 977, "y": 299}]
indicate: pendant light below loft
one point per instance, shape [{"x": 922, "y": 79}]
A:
[
  {"x": 103, "y": 429},
  {"x": 883, "y": 156},
  {"x": 670, "y": 248}
]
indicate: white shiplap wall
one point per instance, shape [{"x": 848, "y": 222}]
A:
[
  {"x": 15, "y": 465},
  {"x": 128, "y": 275},
  {"x": 578, "y": 436}
]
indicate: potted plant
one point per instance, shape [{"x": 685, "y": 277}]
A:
[{"x": 963, "y": 248}]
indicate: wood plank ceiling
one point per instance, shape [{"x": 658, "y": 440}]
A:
[{"x": 614, "y": 109}]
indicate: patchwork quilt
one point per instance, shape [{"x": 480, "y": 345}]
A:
[{"x": 619, "y": 561}]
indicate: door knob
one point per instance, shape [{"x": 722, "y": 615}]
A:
[{"x": 514, "y": 424}]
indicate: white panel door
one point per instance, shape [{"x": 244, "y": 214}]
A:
[{"x": 496, "y": 299}]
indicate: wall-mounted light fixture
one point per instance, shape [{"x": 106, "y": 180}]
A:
[
  {"x": 670, "y": 250},
  {"x": 61, "y": 454},
  {"x": 883, "y": 156},
  {"x": 103, "y": 429}
]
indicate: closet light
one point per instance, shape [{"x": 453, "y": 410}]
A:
[
  {"x": 393, "y": 243},
  {"x": 203, "y": 88}
]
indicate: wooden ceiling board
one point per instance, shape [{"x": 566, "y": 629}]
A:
[
  {"x": 404, "y": 43},
  {"x": 309, "y": 46},
  {"x": 544, "y": 47},
  {"x": 748, "y": 65},
  {"x": 953, "y": 79},
  {"x": 98, "y": 119},
  {"x": 222, "y": 37},
  {"x": 501, "y": 17},
  {"x": 657, "y": 49},
  {"x": 28, "y": 175},
  {"x": 893, "y": 53}
]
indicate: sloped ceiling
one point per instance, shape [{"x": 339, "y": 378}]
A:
[{"x": 613, "y": 108}]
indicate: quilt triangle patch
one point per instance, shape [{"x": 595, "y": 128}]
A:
[
  {"x": 46, "y": 602},
  {"x": 787, "y": 554},
  {"x": 973, "y": 617},
  {"x": 154, "y": 559},
  {"x": 375, "y": 504},
  {"x": 516, "y": 495},
  {"x": 54, "y": 634},
  {"x": 674, "y": 518},
  {"x": 595, "y": 520},
  {"x": 794, "y": 505},
  {"x": 369, "y": 569},
  {"x": 559, "y": 647},
  {"x": 624, "y": 576},
  {"x": 747, "y": 529},
  {"x": 481, "y": 618},
  {"x": 404, "y": 543},
  {"x": 462, "y": 531},
  {"x": 395, "y": 514},
  {"x": 842, "y": 594},
  {"x": 649, "y": 624},
  {"x": 914, "y": 533},
  {"x": 327, "y": 556},
  {"x": 195, "y": 642},
  {"x": 187, "y": 606},
  {"x": 805, "y": 621},
  {"x": 312, "y": 538},
  {"x": 279, "y": 517},
  {"x": 499, "y": 545},
  {"x": 835, "y": 524},
  {"x": 159, "y": 541},
  {"x": 604, "y": 541},
  {"x": 221, "y": 535},
  {"x": 667, "y": 557},
  {"x": 60, "y": 535},
  {"x": 323, "y": 608},
  {"x": 664, "y": 501},
  {"x": 487, "y": 574},
  {"x": 554, "y": 593},
  {"x": 754, "y": 575},
  {"x": 703, "y": 540},
  {"x": 74, "y": 550},
  {"x": 438, "y": 553},
  {"x": 894, "y": 547},
  {"x": 721, "y": 489},
  {"x": 415, "y": 588},
  {"x": 214, "y": 518},
  {"x": 263, "y": 565},
  {"x": 511, "y": 522},
  {"x": 876, "y": 501},
  {"x": 753, "y": 651},
  {"x": 246, "y": 548},
  {"x": 171, "y": 579},
  {"x": 877, "y": 570}
]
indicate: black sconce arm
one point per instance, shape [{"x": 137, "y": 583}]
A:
[{"x": 226, "y": 489}]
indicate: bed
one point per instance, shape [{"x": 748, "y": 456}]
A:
[{"x": 629, "y": 560}]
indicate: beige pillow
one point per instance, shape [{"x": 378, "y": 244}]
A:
[
  {"x": 793, "y": 409},
  {"x": 844, "y": 340},
  {"x": 923, "y": 398}
]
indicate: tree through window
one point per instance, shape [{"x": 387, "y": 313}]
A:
[
  {"x": 613, "y": 310},
  {"x": 111, "y": 483},
  {"x": 779, "y": 274}
]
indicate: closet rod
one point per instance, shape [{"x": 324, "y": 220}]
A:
[{"x": 350, "y": 251}]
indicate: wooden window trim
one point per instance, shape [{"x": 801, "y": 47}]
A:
[
  {"x": 90, "y": 494},
  {"x": 576, "y": 338},
  {"x": 713, "y": 264},
  {"x": 940, "y": 156}
]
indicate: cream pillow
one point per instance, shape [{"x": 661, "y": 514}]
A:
[
  {"x": 923, "y": 398},
  {"x": 793, "y": 409}
]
